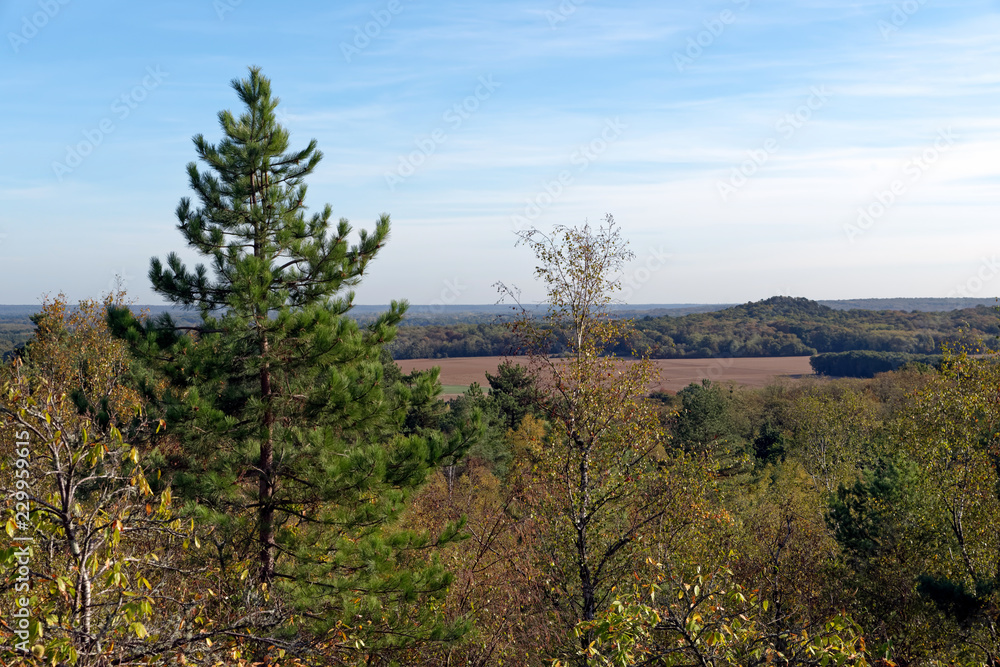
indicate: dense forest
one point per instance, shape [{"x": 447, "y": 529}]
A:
[
  {"x": 798, "y": 523},
  {"x": 264, "y": 486},
  {"x": 867, "y": 364}
]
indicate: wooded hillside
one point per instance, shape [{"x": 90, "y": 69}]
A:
[{"x": 779, "y": 326}]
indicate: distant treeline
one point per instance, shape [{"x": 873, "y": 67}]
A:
[
  {"x": 779, "y": 326},
  {"x": 866, "y": 363},
  {"x": 15, "y": 331},
  {"x": 17, "y": 327}
]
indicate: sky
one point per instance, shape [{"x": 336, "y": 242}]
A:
[{"x": 821, "y": 148}]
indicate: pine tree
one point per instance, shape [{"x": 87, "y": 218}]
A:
[{"x": 293, "y": 442}]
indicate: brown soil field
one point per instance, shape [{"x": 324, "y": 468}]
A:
[{"x": 675, "y": 374}]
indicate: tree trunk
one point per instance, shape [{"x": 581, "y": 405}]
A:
[
  {"x": 588, "y": 604},
  {"x": 266, "y": 467}
]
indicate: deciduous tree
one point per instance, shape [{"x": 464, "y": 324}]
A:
[
  {"x": 602, "y": 483},
  {"x": 100, "y": 558}
]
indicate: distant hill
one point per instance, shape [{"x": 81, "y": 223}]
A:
[
  {"x": 782, "y": 326},
  {"x": 778, "y": 306},
  {"x": 779, "y": 326}
]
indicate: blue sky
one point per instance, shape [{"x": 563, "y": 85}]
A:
[{"x": 819, "y": 148}]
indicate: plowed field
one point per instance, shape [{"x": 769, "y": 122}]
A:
[{"x": 675, "y": 374}]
